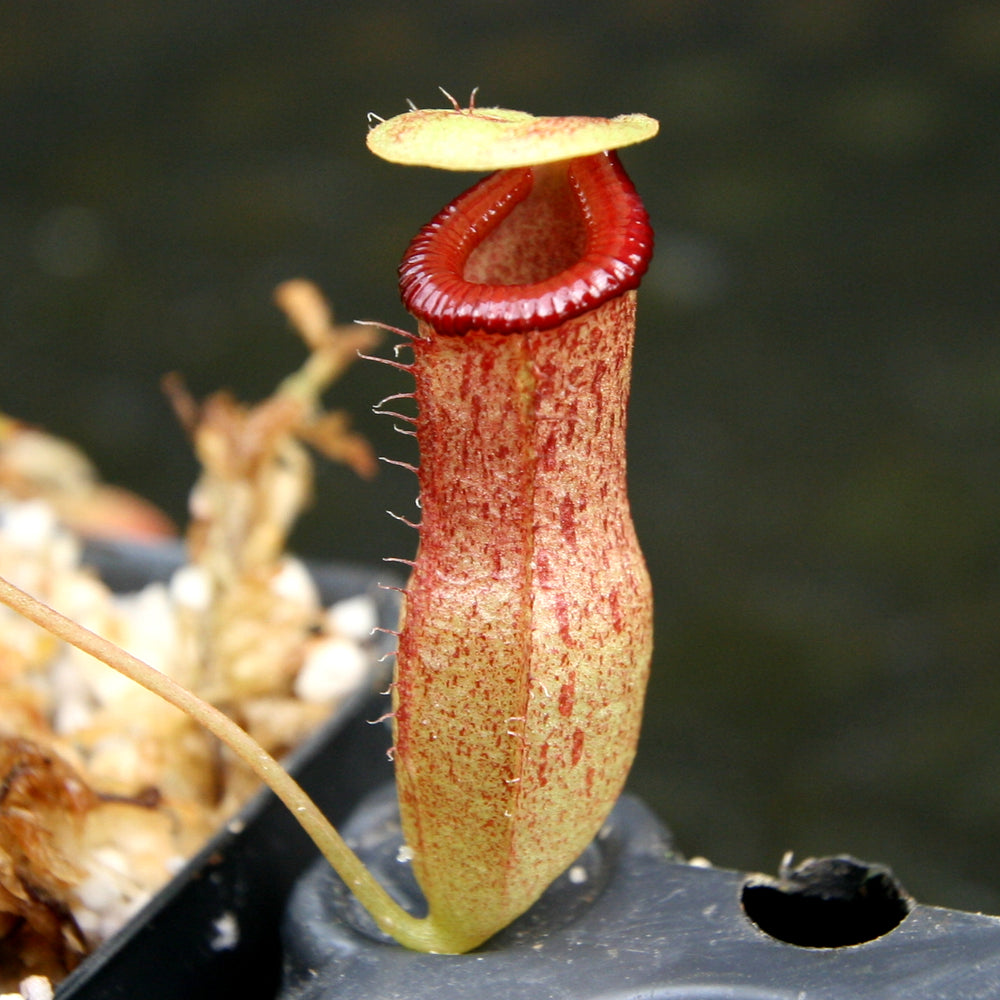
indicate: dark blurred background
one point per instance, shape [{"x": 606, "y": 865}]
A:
[{"x": 815, "y": 439}]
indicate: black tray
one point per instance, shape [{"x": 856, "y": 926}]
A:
[
  {"x": 634, "y": 922},
  {"x": 214, "y": 930},
  {"x": 630, "y": 921}
]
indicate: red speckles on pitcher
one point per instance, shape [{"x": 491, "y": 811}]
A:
[{"x": 528, "y": 621}]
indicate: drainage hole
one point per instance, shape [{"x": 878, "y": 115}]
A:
[{"x": 826, "y": 902}]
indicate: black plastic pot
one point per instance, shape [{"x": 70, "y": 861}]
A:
[
  {"x": 631, "y": 921},
  {"x": 214, "y": 930}
]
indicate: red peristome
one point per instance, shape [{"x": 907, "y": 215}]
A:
[{"x": 599, "y": 234}]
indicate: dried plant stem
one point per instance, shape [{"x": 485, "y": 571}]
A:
[{"x": 419, "y": 934}]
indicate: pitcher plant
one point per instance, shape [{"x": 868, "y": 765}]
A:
[{"x": 526, "y": 635}]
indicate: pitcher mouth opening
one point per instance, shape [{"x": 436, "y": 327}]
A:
[{"x": 529, "y": 248}]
